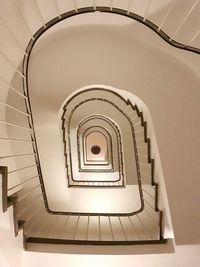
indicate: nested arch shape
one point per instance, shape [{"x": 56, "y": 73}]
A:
[
  {"x": 89, "y": 136},
  {"x": 117, "y": 135}
]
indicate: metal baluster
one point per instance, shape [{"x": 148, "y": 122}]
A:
[
  {"x": 29, "y": 193},
  {"x": 75, "y": 6},
  {"x": 19, "y": 155},
  {"x": 13, "y": 35},
  {"x": 22, "y": 183},
  {"x": 99, "y": 219},
  {"x": 146, "y": 10},
  {"x": 35, "y": 219},
  {"x": 94, "y": 4},
  {"x": 57, "y": 6},
  {"x": 134, "y": 228},
  {"x": 15, "y": 140},
  {"x": 194, "y": 36},
  {"x": 147, "y": 175},
  {"x": 149, "y": 204},
  {"x": 129, "y": 6},
  {"x": 41, "y": 226},
  {"x": 148, "y": 193},
  {"x": 184, "y": 19},
  {"x": 29, "y": 206},
  {"x": 12, "y": 65},
  {"x": 23, "y": 168},
  {"x": 111, "y": 228},
  {"x": 14, "y": 108},
  {"x": 53, "y": 225},
  {"x": 111, "y": 5},
  {"x": 15, "y": 125},
  {"x": 143, "y": 227},
  {"x": 23, "y": 18},
  {"x": 166, "y": 16},
  {"x": 152, "y": 218},
  {"x": 122, "y": 228},
  {"x": 38, "y": 8},
  {"x": 88, "y": 222},
  {"x": 141, "y": 130},
  {"x": 65, "y": 226},
  {"x": 12, "y": 88},
  {"x": 75, "y": 230},
  {"x": 33, "y": 213},
  {"x": 139, "y": 138}
]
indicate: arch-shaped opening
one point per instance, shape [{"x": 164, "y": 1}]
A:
[
  {"x": 96, "y": 146},
  {"x": 114, "y": 139}
]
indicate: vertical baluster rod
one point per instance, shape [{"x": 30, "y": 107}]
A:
[
  {"x": 53, "y": 226},
  {"x": 41, "y": 16},
  {"x": 184, "y": 19},
  {"x": 12, "y": 88},
  {"x": 146, "y": 10},
  {"x": 23, "y": 18},
  {"x": 12, "y": 65},
  {"x": 166, "y": 16},
  {"x": 75, "y": 230},
  {"x": 138, "y": 238},
  {"x": 122, "y": 228},
  {"x": 65, "y": 227},
  {"x": 194, "y": 36},
  {"x": 13, "y": 35},
  {"x": 58, "y": 9},
  {"x": 113, "y": 238},
  {"x": 99, "y": 220},
  {"x": 87, "y": 231},
  {"x": 147, "y": 234}
]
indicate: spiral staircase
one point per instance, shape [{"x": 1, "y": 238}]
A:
[{"x": 122, "y": 187}]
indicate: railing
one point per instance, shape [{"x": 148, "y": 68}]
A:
[
  {"x": 92, "y": 6},
  {"x": 136, "y": 121},
  {"x": 121, "y": 229},
  {"x": 91, "y": 183},
  {"x": 31, "y": 186}
]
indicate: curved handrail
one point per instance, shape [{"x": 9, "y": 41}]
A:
[{"x": 25, "y": 73}]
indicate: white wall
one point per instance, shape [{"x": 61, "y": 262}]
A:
[
  {"x": 10, "y": 247},
  {"x": 185, "y": 256}
]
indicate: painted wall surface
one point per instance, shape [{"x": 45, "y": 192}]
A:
[
  {"x": 183, "y": 257},
  {"x": 10, "y": 247}
]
